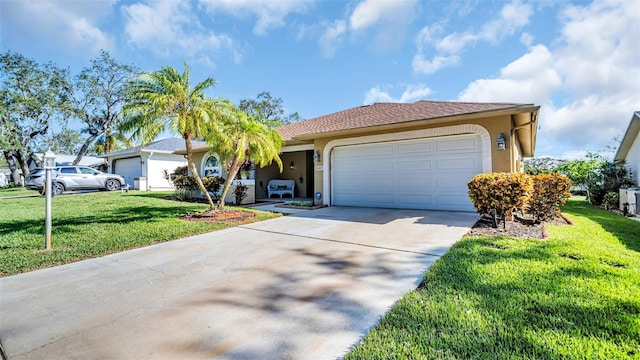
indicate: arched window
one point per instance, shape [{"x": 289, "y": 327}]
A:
[{"x": 211, "y": 166}]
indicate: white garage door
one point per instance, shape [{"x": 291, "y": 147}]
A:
[
  {"x": 130, "y": 168},
  {"x": 429, "y": 174}
]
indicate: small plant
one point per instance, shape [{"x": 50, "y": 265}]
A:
[
  {"x": 240, "y": 192},
  {"x": 611, "y": 200}
]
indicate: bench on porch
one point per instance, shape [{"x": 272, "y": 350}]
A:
[{"x": 280, "y": 187}]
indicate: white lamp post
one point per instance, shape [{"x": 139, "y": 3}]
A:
[{"x": 49, "y": 164}]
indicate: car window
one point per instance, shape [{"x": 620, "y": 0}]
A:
[
  {"x": 68, "y": 170},
  {"x": 87, "y": 171}
]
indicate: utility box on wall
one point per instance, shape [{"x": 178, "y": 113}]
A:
[
  {"x": 140, "y": 183},
  {"x": 629, "y": 200}
]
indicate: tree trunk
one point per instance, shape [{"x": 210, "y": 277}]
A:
[
  {"x": 11, "y": 161},
  {"x": 36, "y": 160},
  {"x": 233, "y": 171},
  {"x": 84, "y": 148},
  {"x": 108, "y": 142},
  {"x": 22, "y": 161},
  {"x": 194, "y": 171}
]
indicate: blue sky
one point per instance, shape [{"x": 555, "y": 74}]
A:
[{"x": 580, "y": 60}]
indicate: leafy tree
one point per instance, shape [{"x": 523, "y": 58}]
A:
[
  {"x": 101, "y": 90},
  {"x": 537, "y": 166},
  {"x": 584, "y": 173},
  {"x": 238, "y": 137},
  {"x": 596, "y": 175},
  {"x": 267, "y": 109},
  {"x": 164, "y": 98},
  {"x": 116, "y": 141},
  {"x": 31, "y": 96},
  {"x": 66, "y": 141}
]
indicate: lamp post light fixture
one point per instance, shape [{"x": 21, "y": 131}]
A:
[
  {"x": 501, "y": 144},
  {"x": 49, "y": 164}
]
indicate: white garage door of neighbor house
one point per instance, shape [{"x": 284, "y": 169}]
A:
[
  {"x": 430, "y": 174},
  {"x": 130, "y": 168}
]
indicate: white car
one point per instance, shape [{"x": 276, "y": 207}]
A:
[{"x": 76, "y": 178}]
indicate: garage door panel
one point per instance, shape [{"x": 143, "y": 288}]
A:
[
  {"x": 414, "y": 174},
  {"x": 423, "y": 147},
  {"x": 451, "y": 184},
  {"x": 457, "y": 163},
  {"x": 457, "y": 144},
  {"x": 415, "y": 200},
  {"x": 413, "y": 165},
  {"x": 408, "y": 184}
]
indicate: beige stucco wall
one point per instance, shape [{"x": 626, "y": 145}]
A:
[{"x": 501, "y": 161}]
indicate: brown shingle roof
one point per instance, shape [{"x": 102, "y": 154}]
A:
[{"x": 387, "y": 113}]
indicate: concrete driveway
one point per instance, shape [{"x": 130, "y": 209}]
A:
[{"x": 304, "y": 286}]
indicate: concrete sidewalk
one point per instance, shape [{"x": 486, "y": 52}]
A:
[{"x": 304, "y": 286}]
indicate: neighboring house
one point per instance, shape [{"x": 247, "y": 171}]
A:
[
  {"x": 629, "y": 149},
  {"x": 397, "y": 155},
  {"x": 143, "y": 166}
]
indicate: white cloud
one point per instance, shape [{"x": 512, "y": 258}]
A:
[
  {"x": 592, "y": 74},
  {"x": 387, "y": 20},
  {"x": 331, "y": 37},
  {"x": 513, "y": 16},
  {"x": 66, "y": 24},
  {"x": 423, "y": 65},
  {"x": 270, "y": 14},
  {"x": 529, "y": 79},
  {"x": 411, "y": 93},
  {"x": 170, "y": 28},
  {"x": 370, "y": 12}
]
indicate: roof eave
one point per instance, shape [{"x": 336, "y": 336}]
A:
[
  {"x": 629, "y": 137},
  {"x": 412, "y": 123}
]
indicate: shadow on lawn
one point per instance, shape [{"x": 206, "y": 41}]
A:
[{"x": 625, "y": 230}]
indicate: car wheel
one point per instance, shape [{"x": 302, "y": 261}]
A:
[
  {"x": 41, "y": 191},
  {"x": 59, "y": 189},
  {"x": 112, "y": 184}
]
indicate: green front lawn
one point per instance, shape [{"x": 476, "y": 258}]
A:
[
  {"x": 573, "y": 296},
  {"x": 16, "y": 191},
  {"x": 91, "y": 225}
]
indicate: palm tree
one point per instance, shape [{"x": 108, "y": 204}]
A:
[
  {"x": 239, "y": 137},
  {"x": 165, "y": 99}
]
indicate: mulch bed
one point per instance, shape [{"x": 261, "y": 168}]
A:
[
  {"x": 234, "y": 216},
  {"x": 484, "y": 227}
]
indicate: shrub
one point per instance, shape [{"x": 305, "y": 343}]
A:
[
  {"x": 611, "y": 200},
  {"x": 213, "y": 185},
  {"x": 549, "y": 192},
  {"x": 181, "y": 170},
  {"x": 240, "y": 192},
  {"x": 187, "y": 183},
  {"x": 504, "y": 192},
  {"x": 184, "y": 182}
]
